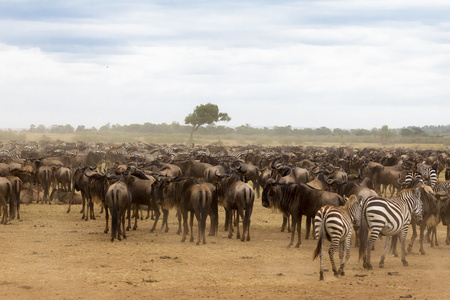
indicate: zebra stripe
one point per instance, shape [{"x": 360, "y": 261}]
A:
[
  {"x": 336, "y": 224},
  {"x": 428, "y": 174},
  {"x": 388, "y": 217}
]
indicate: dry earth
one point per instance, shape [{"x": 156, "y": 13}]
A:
[{"x": 49, "y": 254}]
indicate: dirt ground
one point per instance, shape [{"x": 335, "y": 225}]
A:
[{"x": 50, "y": 254}]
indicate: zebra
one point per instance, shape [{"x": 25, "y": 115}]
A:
[
  {"x": 423, "y": 174},
  {"x": 336, "y": 224},
  {"x": 387, "y": 217},
  {"x": 428, "y": 174}
]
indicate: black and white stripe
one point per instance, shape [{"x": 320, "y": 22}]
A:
[
  {"x": 336, "y": 223},
  {"x": 429, "y": 175},
  {"x": 388, "y": 217}
]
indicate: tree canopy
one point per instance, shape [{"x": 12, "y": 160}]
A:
[{"x": 205, "y": 114}]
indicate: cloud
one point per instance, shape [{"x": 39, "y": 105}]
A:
[{"x": 347, "y": 64}]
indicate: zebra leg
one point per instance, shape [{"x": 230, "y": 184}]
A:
[
  {"x": 386, "y": 248},
  {"x": 334, "y": 245},
  {"x": 373, "y": 237},
  {"x": 321, "y": 258},
  {"x": 347, "y": 245},
  {"x": 403, "y": 244}
]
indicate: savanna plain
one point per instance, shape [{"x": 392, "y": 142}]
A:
[{"x": 49, "y": 254}]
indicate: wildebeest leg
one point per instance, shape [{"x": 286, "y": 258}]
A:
[
  {"x": 248, "y": 214},
  {"x": 129, "y": 218},
  {"x": 447, "y": 238},
  {"x": 422, "y": 234},
  {"x": 122, "y": 222},
  {"x": 136, "y": 215},
  {"x": 394, "y": 241},
  {"x": 184, "y": 214},
  {"x": 386, "y": 248},
  {"x": 179, "y": 222},
  {"x": 107, "y": 218},
  {"x": 88, "y": 206},
  {"x": 191, "y": 225},
  {"x": 308, "y": 227},
  {"x": 165, "y": 218},
  {"x": 239, "y": 214},
  {"x": 157, "y": 214},
  {"x": 299, "y": 229},
  {"x": 285, "y": 221},
  {"x": 413, "y": 236},
  {"x": 230, "y": 228},
  {"x": 434, "y": 229}
]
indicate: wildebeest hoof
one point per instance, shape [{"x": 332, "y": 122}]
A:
[
  {"x": 321, "y": 276},
  {"x": 422, "y": 252},
  {"x": 248, "y": 238},
  {"x": 405, "y": 263}
]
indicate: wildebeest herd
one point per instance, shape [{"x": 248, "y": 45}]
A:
[{"x": 374, "y": 191}]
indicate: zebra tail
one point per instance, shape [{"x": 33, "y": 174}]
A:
[
  {"x": 363, "y": 235},
  {"x": 321, "y": 236}
]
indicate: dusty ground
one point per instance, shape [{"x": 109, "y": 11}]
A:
[{"x": 49, "y": 254}]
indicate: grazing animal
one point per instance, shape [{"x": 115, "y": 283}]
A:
[
  {"x": 118, "y": 200},
  {"x": 5, "y": 194},
  {"x": 336, "y": 224},
  {"x": 45, "y": 177},
  {"x": 387, "y": 217},
  {"x": 187, "y": 195},
  {"x": 297, "y": 200},
  {"x": 237, "y": 195}
]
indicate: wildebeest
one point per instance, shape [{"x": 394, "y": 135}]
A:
[
  {"x": 237, "y": 195},
  {"x": 298, "y": 200},
  {"x": 187, "y": 195},
  {"x": 81, "y": 183},
  {"x": 118, "y": 200},
  {"x": 5, "y": 194},
  {"x": 141, "y": 189}
]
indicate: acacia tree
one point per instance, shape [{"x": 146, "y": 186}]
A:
[{"x": 205, "y": 114}]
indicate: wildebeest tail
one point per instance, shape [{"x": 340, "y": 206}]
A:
[
  {"x": 114, "y": 213},
  {"x": 363, "y": 234},
  {"x": 204, "y": 207}
]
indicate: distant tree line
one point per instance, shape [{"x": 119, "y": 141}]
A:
[{"x": 247, "y": 129}]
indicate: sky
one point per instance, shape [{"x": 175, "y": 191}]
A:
[{"x": 339, "y": 63}]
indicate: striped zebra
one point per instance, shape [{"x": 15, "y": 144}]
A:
[
  {"x": 387, "y": 217},
  {"x": 423, "y": 174},
  {"x": 336, "y": 224},
  {"x": 428, "y": 174}
]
